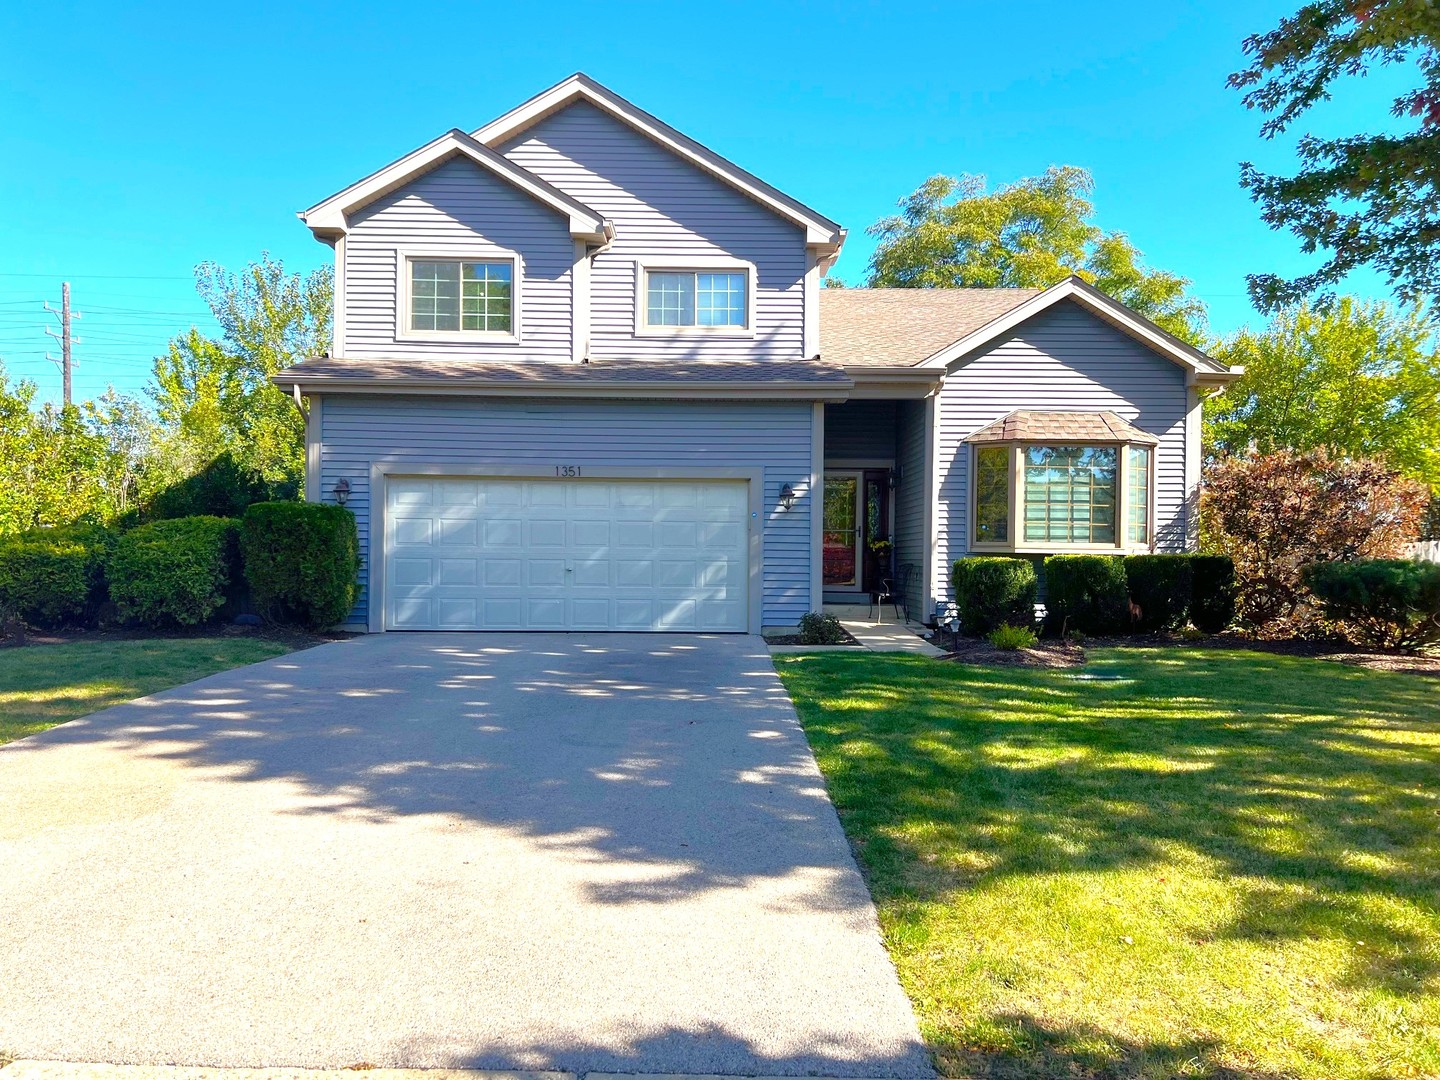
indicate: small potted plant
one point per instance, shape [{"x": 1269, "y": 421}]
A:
[{"x": 881, "y": 549}]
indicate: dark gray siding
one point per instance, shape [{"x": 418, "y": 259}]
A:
[
  {"x": 458, "y": 209},
  {"x": 860, "y": 430},
  {"x": 775, "y": 436},
  {"x": 663, "y": 206},
  {"x": 1063, "y": 359}
]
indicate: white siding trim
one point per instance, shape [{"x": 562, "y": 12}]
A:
[
  {"x": 580, "y": 303},
  {"x": 811, "y": 301},
  {"x": 817, "y": 508},
  {"x": 381, "y": 471},
  {"x": 1194, "y": 404},
  {"x": 337, "y": 327}
]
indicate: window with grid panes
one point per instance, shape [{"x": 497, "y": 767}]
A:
[
  {"x": 696, "y": 298},
  {"x": 462, "y": 296}
]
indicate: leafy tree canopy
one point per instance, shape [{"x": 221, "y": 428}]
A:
[
  {"x": 1360, "y": 380},
  {"x": 1368, "y": 199},
  {"x": 952, "y": 232},
  {"x": 215, "y": 396}
]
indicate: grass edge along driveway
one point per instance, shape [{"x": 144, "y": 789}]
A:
[
  {"x": 45, "y": 685},
  {"x": 1216, "y": 864}
]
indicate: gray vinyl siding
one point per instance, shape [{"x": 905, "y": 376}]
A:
[
  {"x": 860, "y": 430},
  {"x": 664, "y": 207},
  {"x": 458, "y": 209},
  {"x": 357, "y": 431},
  {"x": 1064, "y": 359},
  {"x": 911, "y": 543}
]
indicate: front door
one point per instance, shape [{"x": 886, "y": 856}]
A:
[
  {"x": 844, "y": 530},
  {"x": 857, "y": 513}
]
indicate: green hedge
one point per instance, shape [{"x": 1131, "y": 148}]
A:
[
  {"x": 53, "y": 577},
  {"x": 1393, "y": 603},
  {"x": 991, "y": 592},
  {"x": 172, "y": 572},
  {"x": 1087, "y": 593},
  {"x": 1160, "y": 589},
  {"x": 1212, "y": 592},
  {"x": 302, "y": 561}
]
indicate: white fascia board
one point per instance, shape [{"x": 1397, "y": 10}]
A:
[
  {"x": 329, "y": 218},
  {"x": 910, "y": 383},
  {"x": 1200, "y": 366},
  {"x": 820, "y": 231}
]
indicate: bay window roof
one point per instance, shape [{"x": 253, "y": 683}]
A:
[{"x": 1026, "y": 425}]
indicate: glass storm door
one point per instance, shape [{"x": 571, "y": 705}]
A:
[{"x": 844, "y": 532}]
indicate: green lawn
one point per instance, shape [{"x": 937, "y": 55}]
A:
[
  {"x": 45, "y": 685},
  {"x": 1222, "y": 864}
]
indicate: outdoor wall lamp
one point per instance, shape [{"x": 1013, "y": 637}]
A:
[
  {"x": 342, "y": 491},
  {"x": 895, "y": 478},
  {"x": 787, "y": 497}
]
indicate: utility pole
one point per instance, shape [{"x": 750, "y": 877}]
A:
[{"x": 64, "y": 336}]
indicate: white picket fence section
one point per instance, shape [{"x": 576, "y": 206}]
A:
[{"x": 1426, "y": 551}]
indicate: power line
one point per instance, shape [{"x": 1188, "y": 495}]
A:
[{"x": 63, "y": 336}]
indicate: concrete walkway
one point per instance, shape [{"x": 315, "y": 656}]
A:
[
  {"x": 67, "y": 1070},
  {"x": 873, "y": 632},
  {"x": 540, "y": 852}
]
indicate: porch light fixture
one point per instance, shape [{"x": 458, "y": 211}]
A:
[
  {"x": 787, "y": 497},
  {"x": 342, "y": 491}
]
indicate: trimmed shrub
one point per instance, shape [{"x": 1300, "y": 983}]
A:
[
  {"x": 172, "y": 572},
  {"x": 1212, "y": 592},
  {"x": 991, "y": 592},
  {"x": 1011, "y": 638},
  {"x": 302, "y": 561},
  {"x": 223, "y": 488},
  {"x": 817, "y": 628},
  {"x": 1160, "y": 588},
  {"x": 1087, "y": 593},
  {"x": 53, "y": 577},
  {"x": 1393, "y": 603}
]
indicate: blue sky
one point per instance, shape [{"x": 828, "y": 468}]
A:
[{"x": 137, "y": 140}]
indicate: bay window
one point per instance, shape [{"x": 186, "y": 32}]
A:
[{"x": 1054, "y": 496}]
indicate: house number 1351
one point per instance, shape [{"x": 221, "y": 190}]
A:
[{"x": 567, "y": 470}]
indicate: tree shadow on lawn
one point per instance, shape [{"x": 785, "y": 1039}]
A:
[{"x": 1315, "y": 782}]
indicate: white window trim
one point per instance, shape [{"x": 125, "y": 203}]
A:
[
  {"x": 699, "y": 265},
  {"x": 1018, "y": 545},
  {"x": 405, "y": 256}
]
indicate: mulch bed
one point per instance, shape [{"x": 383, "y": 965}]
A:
[{"x": 795, "y": 639}]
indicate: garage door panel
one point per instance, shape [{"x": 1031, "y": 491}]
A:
[{"x": 503, "y": 554}]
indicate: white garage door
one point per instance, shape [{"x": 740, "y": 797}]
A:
[{"x": 489, "y": 554}]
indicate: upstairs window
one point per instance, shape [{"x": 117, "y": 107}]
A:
[
  {"x": 697, "y": 298},
  {"x": 462, "y": 296}
]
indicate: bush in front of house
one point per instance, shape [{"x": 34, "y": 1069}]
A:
[
  {"x": 993, "y": 591},
  {"x": 51, "y": 578},
  {"x": 1088, "y": 593},
  {"x": 1160, "y": 590},
  {"x": 1392, "y": 603},
  {"x": 817, "y": 628},
  {"x": 302, "y": 561},
  {"x": 1212, "y": 592},
  {"x": 172, "y": 572},
  {"x": 1012, "y": 638}
]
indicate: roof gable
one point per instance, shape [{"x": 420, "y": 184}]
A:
[
  {"x": 330, "y": 217},
  {"x": 820, "y": 231},
  {"x": 1199, "y": 368}
]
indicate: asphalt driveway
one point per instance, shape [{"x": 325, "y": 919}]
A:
[{"x": 577, "y": 852}]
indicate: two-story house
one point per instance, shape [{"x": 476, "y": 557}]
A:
[{"x": 585, "y": 377}]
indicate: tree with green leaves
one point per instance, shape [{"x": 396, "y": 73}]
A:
[
  {"x": 1368, "y": 200},
  {"x": 1358, "y": 380},
  {"x": 952, "y": 232},
  {"x": 216, "y": 396}
]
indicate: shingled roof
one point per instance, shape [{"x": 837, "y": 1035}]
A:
[
  {"x": 1025, "y": 425},
  {"x": 601, "y": 377},
  {"x": 902, "y": 327}
]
